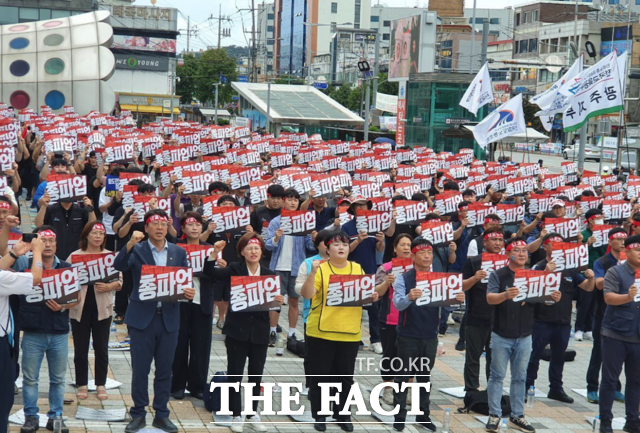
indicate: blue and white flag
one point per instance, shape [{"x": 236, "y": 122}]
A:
[
  {"x": 479, "y": 92},
  {"x": 505, "y": 121}
]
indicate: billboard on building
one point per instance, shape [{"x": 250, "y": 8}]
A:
[
  {"x": 141, "y": 62},
  {"x": 405, "y": 47},
  {"x": 144, "y": 43},
  {"x": 615, "y": 38}
]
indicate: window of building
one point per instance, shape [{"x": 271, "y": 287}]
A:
[
  {"x": 534, "y": 16},
  {"x": 60, "y": 14},
  {"x": 334, "y": 8},
  {"x": 386, "y": 23},
  {"x": 614, "y": 2},
  {"x": 524, "y": 46},
  {"x": 533, "y": 45},
  {"x": 269, "y": 41},
  {"x": 375, "y": 19},
  {"x": 8, "y": 15},
  {"x": 45, "y": 14},
  {"x": 270, "y": 16},
  {"x": 333, "y": 27},
  {"x": 494, "y": 21},
  {"x": 356, "y": 26},
  {"x": 516, "y": 47},
  {"x": 29, "y": 14},
  {"x": 526, "y": 18},
  {"x": 517, "y": 19},
  {"x": 386, "y": 37}
]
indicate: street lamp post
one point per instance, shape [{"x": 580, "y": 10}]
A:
[{"x": 309, "y": 25}]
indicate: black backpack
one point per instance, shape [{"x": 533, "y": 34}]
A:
[
  {"x": 478, "y": 402},
  {"x": 212, "y": 400},
  {"x": 297, "y": 347},
  {"x": 569, "y": 355}
]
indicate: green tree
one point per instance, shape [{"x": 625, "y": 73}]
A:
[
  {"x": 385, "y": 86},
  {"x": 530, "y": 117},
  {"x": 354, "y": 99},
  {"x": 289, "y": 79},
  {"x": 198, "y": 76},
  {"x": 341, "y": 94}
]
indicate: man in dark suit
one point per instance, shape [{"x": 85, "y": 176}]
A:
[{"x": 153, "y": 326}]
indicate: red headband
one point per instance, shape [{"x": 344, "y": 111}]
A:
[
  {"x": 516, "y": 244},
  {"x": 5, "y": 205},
  {"x": 494, "y": 235},
  {"x": 47, "y": 234},
  {"x": 254, "y": 241},
  {"x": 553, "y": 239},
  {"x": 156, "y": 217},
  {"x": 595, "y": 216},
  {"x": 632, "y": 246},
  {"x": 192, "y": 220},
  {"x": 618, "y": 235},
  {"x": 417, "y": 248},
  {"x": 491, "y": 220},
  {"x": 99, "y": 227},
  {"x": 635, "y": 223}
]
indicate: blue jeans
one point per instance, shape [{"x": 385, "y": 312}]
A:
[
  {"x": 517, "y": 352},
  {"x": 34, "y": 348}
]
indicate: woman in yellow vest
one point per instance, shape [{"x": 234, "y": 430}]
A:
[{"x": 333, "y": 332}]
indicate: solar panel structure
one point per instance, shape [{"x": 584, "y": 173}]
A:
[{"x": 300, "y": 104}]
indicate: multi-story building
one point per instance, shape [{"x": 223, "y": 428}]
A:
[
  {"x": 500, "y": 21},
  {"x": 265, "y": 40},
  {"x": 305, "y": 29},
  {"x": 25, "y": 11},
  {"x": 454, "y": 52}
]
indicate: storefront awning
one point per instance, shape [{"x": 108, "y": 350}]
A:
[{"x": 149, "y": 109}]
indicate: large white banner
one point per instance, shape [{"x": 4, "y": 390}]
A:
[
  {"x": 505, "y": 121},
  {"x": 546, "y": 99},
  {"x": 479, "y": 93},
  {"x": 388, "y": 103},
  {"x": 595, "y": 92}
]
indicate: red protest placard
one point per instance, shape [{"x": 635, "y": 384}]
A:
[
  {"x": 568, "y": 228},
  {"x": 409, "y": 212},
  {"x": 59, "y": 285},
  {"x": 66, "y": 188},
  {"x": 95, "y": 268},
  {"x": 197, "y": 255},
  {"x": 350, "y": 290},
  {"x": 141, "y": 204},
  {"x": 570, "y": 256},
  {"x": 373, "y": 221},
  {"x": 325, "y": 185},
  {"x": 492, "y": 262},
  {"x": 439, "y": 233},
  {"x": 616, "y": 209},
  {"x": 400, "y": 266},
  {"x": 601, "y": 234},
  {"x": 447, "y": 202},
  {"x": 258, "y": 191},
  {"x": 228, "y": 218},
  {"x": 196, "y": 182},
  {"x": 164, "y": 283},
  {"x": 510, "y": 213},
  {"x": 439, "y": 289},
  {"x": 536, "y": 286},
  {"x": 253, "y": 293},
  {"x": 297, "y": 222},
  {"x": 241, "y": 177}
]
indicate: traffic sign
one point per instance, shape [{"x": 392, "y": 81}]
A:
[
  {"x": 243, "y": 79},
  {"x": 320, "y": 86}
]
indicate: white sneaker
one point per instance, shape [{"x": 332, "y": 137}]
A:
[
  {"x": 579, "y": 335},
  {"x": 387, "y": 396},
  {"x": 376, "y": 347},
  {"x": 286, "y": 300},
  {"x": 256, "y": 423},
  {"x": 450, "y": 321},
  {"x": 588, "y": 335},
  {"x": 236, "y": 424}
]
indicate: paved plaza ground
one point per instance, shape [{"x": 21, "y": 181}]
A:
[{"x": 190, "y": 415}]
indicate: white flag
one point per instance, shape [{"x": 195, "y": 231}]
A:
[
  {"x": 595, "y": 92},
  {"x": 505, "y": 121},
  {"x": 479, "y": 92},
  {"x": 622, "y": 71},
  {"x": 546, "y": 99}
]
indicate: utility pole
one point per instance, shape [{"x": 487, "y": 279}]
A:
[
  {"x": 485, "y": 39},
  {"x": 188, "y": 32},
  {"x": 216, "y": 106},
  {"x": 583, "y": 129},
  {"x": 253, "y": 42},
  {"x": 376, "y": 70},
  {"x": 473, "y": 37},
  {"x": 366, "y": 111},
  {"x": 222, "y": 33},
  {"x": 622, "y": 129}
]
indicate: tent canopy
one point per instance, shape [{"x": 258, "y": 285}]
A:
[{"x": 531, "y": 136}]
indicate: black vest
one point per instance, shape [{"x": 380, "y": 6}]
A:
[
  {"x": 559, "y": 312},
  {"x": 479, "y": 312},
  {"x": 417, "y": 322},
  {"x": 39, "y": 318},
  {"x": 511, "y": 319}
]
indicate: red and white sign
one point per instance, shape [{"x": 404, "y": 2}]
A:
[
  {"x": 616, "y": 209},
  {"x": 350, "y": 290},
  {"x": 141, "y": 204},
  {"x": 570, "y": 256},
  {"x": 59, "y": 285},
  {"x": 536, "y": 286},
  {"x": 325, "y": 185},
  {"x": 447, "y": 202},
  {"x": 258, "y": 191},
  {"x": 373, "y": 221},
  {"x": 491, "y": 263},
  {"x": 66, "y": 187},
  {"x": 400, "y": 266},
  {"x": 510, "y": 213},
  {"x": 477, "y": 212},
  {"x": 439, "y": 233},
  {"x": 197, "y": 255},
  {"x": 568, "y": 228},
  {"x": 228, "y": 218},
  {"x": 241, "y": 177},
  {"x": 119, "y": 153},
  {"x": 297, "y": 222},
  {"x": 439, "y": 289},
  {"x": 164, "y": 283},
  {"x": 520, "y": 185},
  {"x": 196, "y": 182},
  {"x": 95, "y": 268},
  {"x": 409, "y": 212},
  {"x": 540, "y": 203},
  {"x": 254, "y": 293},
  {"x": 601, "y": 233}
]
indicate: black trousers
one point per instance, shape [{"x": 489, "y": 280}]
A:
[
  {"x": 585, "y": 310},
  {"x": 595, "y": 362},
  {"x": 478, "y": 340},
  {"x": 88, "y": 326},
  {"x": 328, "y": 357},
  {"x": 111, "y": 243},
  {"x": 620, "y": 353},
  {"x": 557, "y": 337},
  {"x": 122, "y": 299},
  {"x": 388, "y": 337},
  {"x": 7, "y": 380},
  {"x": 414, "y": 352},
  {"x": 14, "y": 304},
  {"x": 191, "y": 361},
  {"x": 154, "y": 343},
  {"x": 305, "y": 362},
  {"x": 463, "y": 325},
  {"x": 237, "y": 354}
]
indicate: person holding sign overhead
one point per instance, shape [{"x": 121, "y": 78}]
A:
[
  {"x": 46, "y": 332},
  {"x": 333, "y": 332},
  {"x": 512, "y": 327},
  {"x": 417, "y": 332},
  {"x": 13, "y": 283},
  {"x": 621, "y": 338},
  {"x": 153, "y": 326},
  {"x": 247, "y": 332},
  {"x": 92, "y": 315}
]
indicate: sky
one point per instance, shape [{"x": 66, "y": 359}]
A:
[{"x": 200, "y": 11}]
